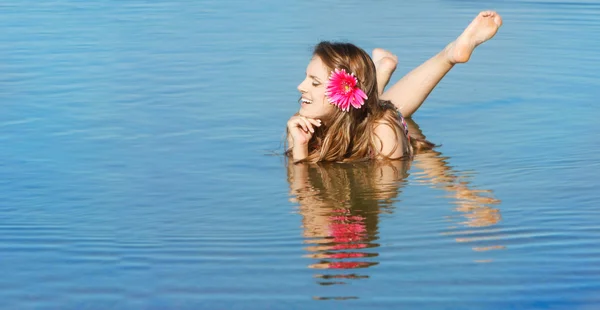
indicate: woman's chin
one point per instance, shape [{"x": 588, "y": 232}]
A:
[
  {"x": 307, "y": 113},
  {"x": 304, "y": 113}
]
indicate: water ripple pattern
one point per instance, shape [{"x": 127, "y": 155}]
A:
[{"x": 141, "y": 167}]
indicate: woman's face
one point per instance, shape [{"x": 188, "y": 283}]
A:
[{"x": 313, "y": 103}]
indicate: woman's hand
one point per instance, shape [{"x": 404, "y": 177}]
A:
[{"x": 302, "y": 129}]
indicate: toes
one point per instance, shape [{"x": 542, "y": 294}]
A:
[
  {"x": 492, "y": 14},
  {"x": 498, "y": 20}
]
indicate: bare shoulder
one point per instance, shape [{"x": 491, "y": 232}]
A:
[
  {"x": 382, "y": 127},
  {"x": 387, "y": 141}
]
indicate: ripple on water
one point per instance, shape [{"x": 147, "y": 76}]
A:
[{"x": 132, "y": 173}]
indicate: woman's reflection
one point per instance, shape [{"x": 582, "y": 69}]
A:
[{"x": 340, "y": 206}]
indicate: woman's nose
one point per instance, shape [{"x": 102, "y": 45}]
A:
[{"x": 301, "y": 87}]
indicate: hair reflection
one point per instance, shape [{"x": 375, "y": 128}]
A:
[{"x": 340, "y": 206}]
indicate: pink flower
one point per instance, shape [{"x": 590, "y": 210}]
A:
[{"x": 343, "y": 92}]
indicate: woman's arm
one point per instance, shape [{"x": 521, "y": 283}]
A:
[{"x": 300, "y": 131}]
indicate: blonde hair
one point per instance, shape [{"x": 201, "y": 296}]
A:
[{"x": 349, "y": 136}]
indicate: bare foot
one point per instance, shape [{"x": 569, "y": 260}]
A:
[
  {"x": 385, "y": 64},
  {"x": 481, "y": 29}
]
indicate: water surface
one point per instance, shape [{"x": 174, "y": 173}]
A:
[{"x": 137, "y": 165}]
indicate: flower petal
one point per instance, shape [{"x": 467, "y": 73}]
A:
[{"x": 342, "y": 90}]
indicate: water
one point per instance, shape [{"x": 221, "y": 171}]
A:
[{"x": 137, "y": 165}]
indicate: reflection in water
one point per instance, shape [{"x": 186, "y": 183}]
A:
[
  {"x": 340, "y": 206},
  {"x": 474, "y": 205}
]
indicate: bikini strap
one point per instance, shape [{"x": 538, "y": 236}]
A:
[{"x": 404, "y": 124}]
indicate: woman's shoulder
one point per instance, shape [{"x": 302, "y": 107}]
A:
[
  {"x": 384, "y": 127},
  {"x": 391, "y": 117},
  {"x": 388, "y": 130},
  {"x": 387, "y": 142}
]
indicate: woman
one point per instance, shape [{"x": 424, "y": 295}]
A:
[{"x": 343, "y": 117}]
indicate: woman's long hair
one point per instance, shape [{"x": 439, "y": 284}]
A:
[{"x": 349, "y": 136}]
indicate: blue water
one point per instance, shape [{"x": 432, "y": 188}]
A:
[{"x": 140, "y": 160}]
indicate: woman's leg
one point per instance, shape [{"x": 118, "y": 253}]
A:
[
  {"x": 385, "y": 65},
  {"x": 411, "y": 91}
]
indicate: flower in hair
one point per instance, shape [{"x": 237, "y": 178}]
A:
[{"x": 343, "y": 91}]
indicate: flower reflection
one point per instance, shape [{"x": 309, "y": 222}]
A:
[{"x": 346, "y": 232}]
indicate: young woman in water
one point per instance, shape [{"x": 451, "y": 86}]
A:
[{"x": 344, "y": 115}]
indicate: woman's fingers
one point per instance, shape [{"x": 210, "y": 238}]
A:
[
  {"x": 316, "y": 122},
  {"x": 307, "y": 125},
  {"x": 297, "y": 122},
  {"x": 310, "y": 122}
]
